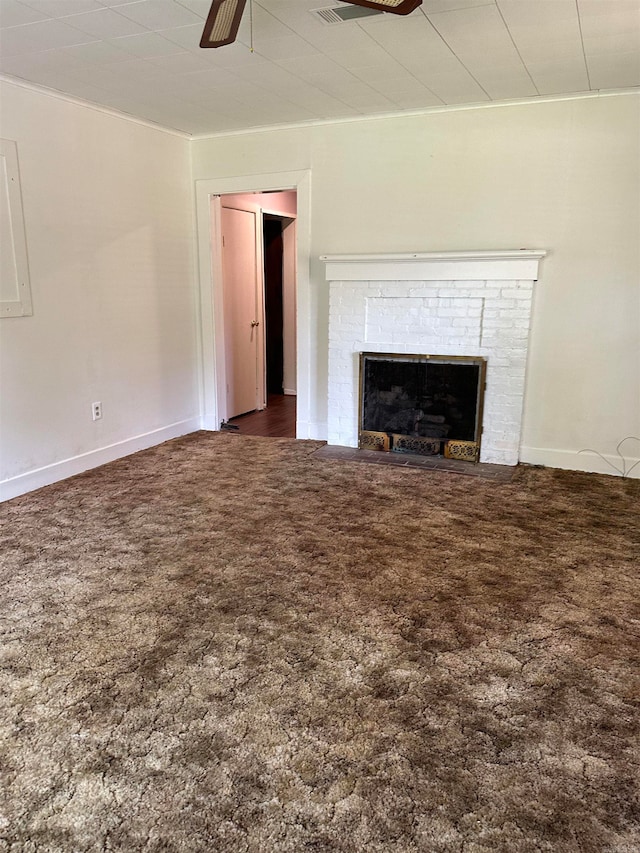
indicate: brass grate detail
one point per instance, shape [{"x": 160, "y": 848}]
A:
[
  {"x": 374, "y": 440},
  {"x": 465, "y": 450},
  {"x": 416, "y": 444}
]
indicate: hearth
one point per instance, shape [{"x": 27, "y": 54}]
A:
[{"x": 426, "y": 404}]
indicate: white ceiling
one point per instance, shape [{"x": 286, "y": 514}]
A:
[{"x": 143, "y": 57}]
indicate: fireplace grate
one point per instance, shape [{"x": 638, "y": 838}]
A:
[{"x": 416, "y": 444}]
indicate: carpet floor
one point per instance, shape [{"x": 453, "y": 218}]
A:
[{"x": 226, "y": 644}]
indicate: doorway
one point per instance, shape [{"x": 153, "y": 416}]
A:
[
  {"x": 212, "y": 370},
  {"x": 259, "y": 292}
]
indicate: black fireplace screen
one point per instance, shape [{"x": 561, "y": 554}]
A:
[{"x": 438, "y": 398}]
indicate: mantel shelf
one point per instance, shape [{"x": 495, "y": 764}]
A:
[
  {"x": 440, "y": 256},
  {"x": 515, "y": 264}
]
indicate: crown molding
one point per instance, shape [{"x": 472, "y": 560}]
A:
[
  {"x": 396, "y": 114},
  {"x": 444, "y": 108},
  {"x": 80, "y": 102}
]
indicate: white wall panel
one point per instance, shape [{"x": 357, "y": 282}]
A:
[
  {"x": 563, "y": 176},
  {"x": 108, "y": 219}
]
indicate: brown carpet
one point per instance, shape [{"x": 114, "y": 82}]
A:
[{"x": 226, "y": 644}]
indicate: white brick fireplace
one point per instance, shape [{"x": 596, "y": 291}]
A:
[{"x": 450, "y": 303}]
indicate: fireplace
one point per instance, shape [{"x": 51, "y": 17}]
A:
[
  {"x": 426, "y": 404},
  {"x": 470, "y": 305}
]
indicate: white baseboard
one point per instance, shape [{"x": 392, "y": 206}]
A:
[
  {"x": 289, "y": 393},
  {"x": 589, "y": 461},
  {"x": 23, "y": 483}
]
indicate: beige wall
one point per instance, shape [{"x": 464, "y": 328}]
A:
[
  {"x": 109, "y": 223},
  {"x": 560, "y": 175},
  {"x": 109, "y": 227}
]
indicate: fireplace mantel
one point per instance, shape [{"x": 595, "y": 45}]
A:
[
  {"x": 510, "y": 265},
  {"x": 434, "y": 303}
]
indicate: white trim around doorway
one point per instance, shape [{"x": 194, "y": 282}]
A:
[{"x": 212, "y": 390}]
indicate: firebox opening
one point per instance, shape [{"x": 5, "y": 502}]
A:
[{"x": 424, "y": 404}]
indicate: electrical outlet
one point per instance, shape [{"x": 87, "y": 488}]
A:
[{"x": 96, "y": 411}]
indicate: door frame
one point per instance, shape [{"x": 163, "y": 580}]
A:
[{"x": 212, "y": 373}]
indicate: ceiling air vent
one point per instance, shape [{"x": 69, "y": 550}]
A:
[{"x": 341, "y": 14}]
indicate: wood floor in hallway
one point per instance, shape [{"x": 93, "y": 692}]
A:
[{"x": 277, "y": 420}]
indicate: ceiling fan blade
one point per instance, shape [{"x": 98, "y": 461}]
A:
[
  {"x": 222, "y": 23},
  {"x": 396, "y": 7}
]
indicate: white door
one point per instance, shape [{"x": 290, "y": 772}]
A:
[{"x": 243, "y": 309}]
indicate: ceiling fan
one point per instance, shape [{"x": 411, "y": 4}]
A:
[{"x": 224, "y": 17}]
